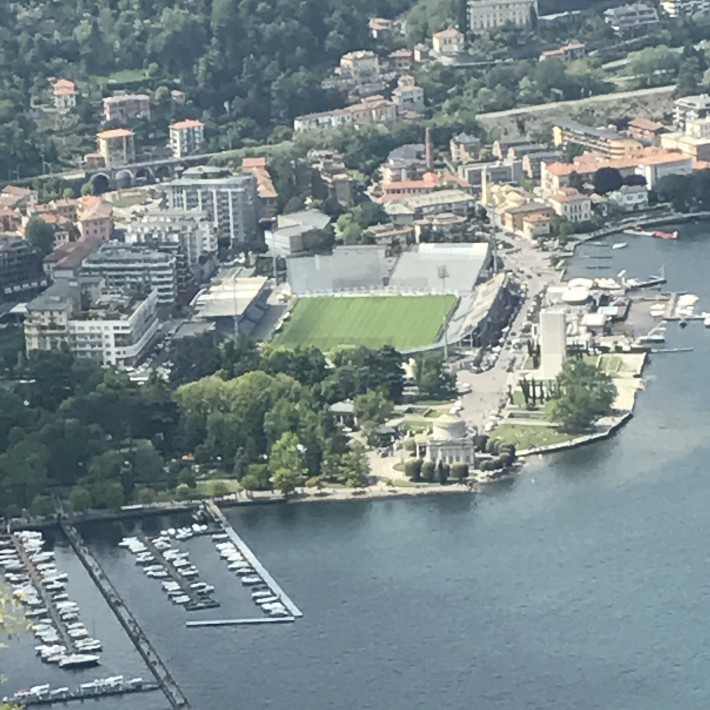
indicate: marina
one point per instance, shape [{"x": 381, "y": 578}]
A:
[
  {"x": 263, "y": 576},
  {"x": 239, "y": 622},
  {"x": 162, "y": 675}
]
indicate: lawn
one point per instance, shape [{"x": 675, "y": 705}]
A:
[
  {"x": 526, "y": 436},
  {"x": 401, "y": 321}
]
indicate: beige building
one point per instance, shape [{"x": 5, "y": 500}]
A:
[
  {"x": 64, "y": 94},
  {"x": 95, "y": 218},
  {"x": 126, "y": 107},
  {"x": 407, "y": 96},
  {"x": 491, "y": 14},
  {"x": 186, "y": 137},
  {"x": 572, "y": 205},
  {"x": 373, "y": 109},
  {"x": 116, "y": 147},
  {"x": 448, "y": 42},
  {"x": 265, "y": 190},
  {"x": 361, "y": 66}
]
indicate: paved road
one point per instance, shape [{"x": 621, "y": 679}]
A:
[
  {"x": 541, "y": 108},
  {"x": 489, "y": 388}
]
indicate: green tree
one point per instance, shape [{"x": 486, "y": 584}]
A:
[
  {"x": 372, "y": 409},
  {"x": 356, "y": 465},
  {"x": 607, "y": 180},
  {"x": 428, "y": 471},
  {"x": 585, "y": 394},
  {"x": 286, "y": 463},
  {"x": 146, "y": 496},
  {"x": 432, "y": 376},
  {"x": 413, "y": 469},
  {"x": 79, "y": 499},
  {"x": 40, "y": 235}
]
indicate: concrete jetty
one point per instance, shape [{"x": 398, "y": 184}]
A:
[
  {"x": 240, "y": 622},
  {"x": 162, "y": 675},
  {"x": 212, "y": 509},
  {"x": 81, "y": 695}
]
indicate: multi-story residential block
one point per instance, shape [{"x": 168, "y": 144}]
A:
[
  {"x": 631, "y": 18},
  {"x": 464, "y": 148},
  {"x": 567, "y": 52},
  {"x": 113, "y": 328},
  {"x": 401, "y": 60},
  {"x": 186, "y": 137},
  {"x": 189, "y": 230},
  {"x": 10, "y": 220},
  {"x": 496, "y": 173},
  {"x": 326, "y": 119},
  {"x": 21, "y": 269},
  {"x": 406, "y": 162},
  {"x": 448, "y": 42},
  {"x": 655, "y": 167},
  {"x": 362, "y": 66},
  {"x": 605, "y": 143},
  {"x": 645, "y": 130},
  {"x": 572, "y": 205},
  {"x": 129, "y": 267},
  {"x": 630, "y": 198},
  {"x": 265, "y": 190},
  {"x": 697, "y": 148},
  {"x": 518, "y": 152},
  {"x": 116, "y": 147},
  {"x": 532, "y": 162},
  {"x": 680, "y": 8},
  {"x": 501, "y": 146},
  {"x": 330, "y": 178},
  {"x": 229, "y": 201},
  {"x": 380, "y": 27},
  {"x": 126, "y": 107},
  {"x": 491, "y": 14},
  {"x": 18, "y": 198},
  {"x": 411, "y": 208},
  {"x": 64, "y": 94},
  {"x": 373, "y": 110},
  {"x": 407, "y": 96},
  {"x": 690, "y": 108},
  {"x": 95, "y": 218}
]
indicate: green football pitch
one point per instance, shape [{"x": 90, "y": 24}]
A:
[{"x": 401, "y": 321}]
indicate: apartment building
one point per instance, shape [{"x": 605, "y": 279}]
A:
[
  {"x": 685, "y": 8},
  {"x": 496, "y": 173},
  {"x": 411, "y": 208},
  {"x": 116, "y": 147},
  {"x": 186, "y": 137},
  {"x": 265, "y": 190},
  {"x": 64, "y": 94},
  {"x": 464, "y": 148},
  {"x": 113, "y": 328},
  {"x": 95, "y": 218},
  {"x": 490, "y": 14},
  {"x": 532, "y": 162},
  {"x": 605, "y": 143},
  {"x": 380, "y": 27},
  {"x": 326, "y": 119},
  {"x": 631, "y": 18},
  {"x": 655, "y": 167},
  {"x": 407, "y": 96},
  {"x": 21, "y": 269},
  {"x": 330, "y": 178},
  {"x": 630, "y": 198},
  {"x": 126, "y": 107},
  {"x": 362, "y": 66},
  {"x": 229, "y": 201},
  {"x": 690, "y": 108},
  {"x": 401, "y": 60},
  {"x": 189, "y": 230},
  {"x": 127, "y": 268},
  {"x": 448, "y": 42},
  {"x": 406, "y": 162},
  {"x": 373, "y": 110}
]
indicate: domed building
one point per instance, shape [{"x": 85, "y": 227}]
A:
[{"x": 450, "y": 441}]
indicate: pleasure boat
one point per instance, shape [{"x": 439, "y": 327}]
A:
[
  {"x": 79, "y": 660},
  {"x": 249, "y": 581},
  {"x": 619, "y": 245}
]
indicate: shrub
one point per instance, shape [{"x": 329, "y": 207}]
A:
[
  {"x": 413, "y": 469},
  {"x": 219, "y": 489},
  {"x": 459, "y": 471},
  {"x": 428, "y": 471},
  {"x": 145, "y": 496}
]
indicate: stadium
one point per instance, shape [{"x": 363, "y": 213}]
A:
[{"x": 430, "y": 297}]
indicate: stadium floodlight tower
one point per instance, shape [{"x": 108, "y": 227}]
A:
[{"x": 443, "y": 275}]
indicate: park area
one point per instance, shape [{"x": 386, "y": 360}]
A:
[{"x": 373, "y": 321}]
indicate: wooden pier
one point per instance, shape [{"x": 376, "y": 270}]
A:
[
  {"x": 162, "y": 675},
  {"x": 270, "y": 582},
  {"x": 197, "y": 602},
  {"x": 51, "y": 607}
]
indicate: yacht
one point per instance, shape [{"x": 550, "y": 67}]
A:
[
  {"x": 261, "y": 601},
  {"x": 244, "y": 571},
  {"x": 619, "y": 245},
  {"x": 183, "y": 599},
  {"x": 79, "y": 660},
  {"x": 249, "y": 581},
  {"x": 157, "y": 574}
]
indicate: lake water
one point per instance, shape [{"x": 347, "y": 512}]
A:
[{"x": 582, "y": 584}]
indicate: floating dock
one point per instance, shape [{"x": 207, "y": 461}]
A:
[
  {"x": 162, "y": 675},
  {"x": 240, "y": 622},
  {"x": 80, "y": 695},
  {"x": 196, "y": 602},
  {"x": 49, "y": 604},
  {"x": 270, "y": 582}
]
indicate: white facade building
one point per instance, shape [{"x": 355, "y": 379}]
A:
[
  {"x": 113, "y": 328},
  {"x": 678, "y": 8},
  {"x": 553, "y": 342},
  {"x": 229, "y": 201},
  {"x": 186, "y": 137},
  {"x": 327, "y": 119},
  {"x": 688, "y": 109},
  {"x": 628, "y": 18},
  {"x": 490, "y": 14},
  {"x": 124, "y": 267},
  {"x": 190, "y": 229},
  {"x": 630, "y": 198}
]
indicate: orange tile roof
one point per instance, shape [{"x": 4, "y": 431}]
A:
[
  {"x": 667, "y": 156},
  {"x": 448, "y": 32},
  {"x": 258, "y": 162},
  {"x": 645, "y": 124},
  {"x": 569, "y": 196},
  {"x": 114, "y": 133},
  {"x": 187, "y": 123},
  {"x": 536, "y": 217},
  {"x": 64, "y": 91}
]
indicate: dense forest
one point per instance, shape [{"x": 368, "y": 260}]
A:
[
  {"x": 73, "y": 433},
  {"x": 242, "y": 63}
]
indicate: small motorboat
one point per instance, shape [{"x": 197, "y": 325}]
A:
[{"x": 619, "y": 245}]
